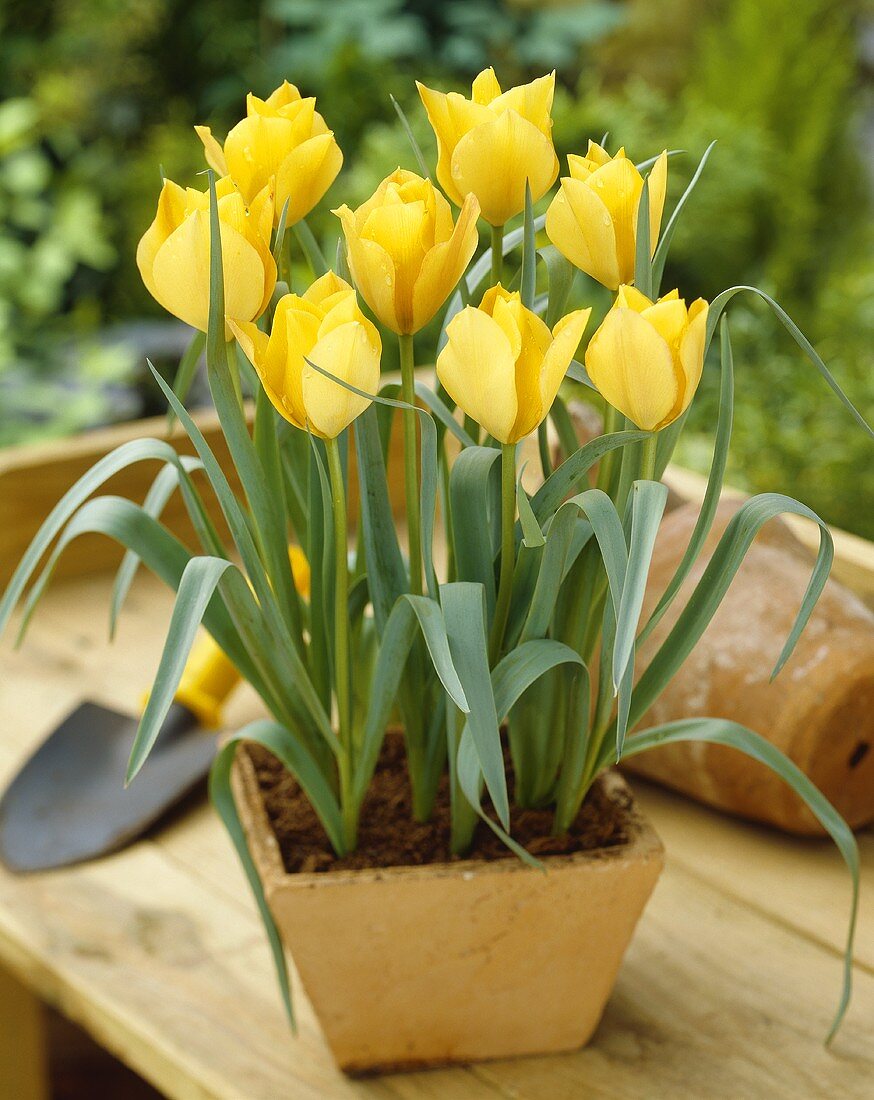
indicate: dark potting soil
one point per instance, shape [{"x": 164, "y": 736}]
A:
[{"x": 389, "y": 837}]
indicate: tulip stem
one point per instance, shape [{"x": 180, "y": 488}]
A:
[
  {"x": 411, "y": 463},
  {"x": 341, "y": 641},
  {"x": 608, "y": 462},
  {"x": 497, "y": 254},
  {"x": 648, "y": 457},
  {"x": 508, "y": 548}
]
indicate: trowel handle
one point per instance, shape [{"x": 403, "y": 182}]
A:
[
  {"x": 209, "y": 676},
  {"x": 208, "y": 679}
]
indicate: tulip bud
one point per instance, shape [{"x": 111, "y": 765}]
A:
[
  {"x": 404, "y": 253},
  {"x": 646, "y": 358},
  {"x": 282, "y": 138},
  {"x": 503, "y": 366},
  {"x": 593, "y": 218},
  {"x": 326, "y": 327},
  {"x": 173, "y": 254},
  {"x": 493, "y": 143}
]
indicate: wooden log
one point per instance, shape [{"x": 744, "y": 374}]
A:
[{"x": 819, "y": 710}]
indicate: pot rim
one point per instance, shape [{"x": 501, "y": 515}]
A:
[{"x": 643, "y": 844}]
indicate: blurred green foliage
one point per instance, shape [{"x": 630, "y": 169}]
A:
[{"x": 99, "y": 93}]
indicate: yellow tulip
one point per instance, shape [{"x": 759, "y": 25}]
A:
[
  {"x": 503, "y": 366},
  {"x": 282, "y": 138},
  {"x": 593, "y": 218},
  {"x": 646, "y": 358},
  {"x": 403, "y": 250},
  {"x": 173, "y": 254},
  {"x": 325, "y": 326},
  {"x": 493, "y": 143}
]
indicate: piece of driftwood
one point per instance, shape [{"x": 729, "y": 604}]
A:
[{"x": 819, "y": 711}]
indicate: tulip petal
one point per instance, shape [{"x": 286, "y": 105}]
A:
[
  {"x": 633, "y": 369},
  {"x": 215, "y": 156},
  {"x": 286, "y": 93},
  {"x": 444, "y": 264},
  {"x": 535, "y": 342},
  {"x": 254, "y": 344},
  {"x": 579, "y": 225},
  {"x": 495, "y": 159},
  {"x": 669, "y": 318},
  {"x": 619, "y": 184},
  {"x": 181, "y": 273},
  {"x": 305, "y": 175},
  {"x": 629, "y": 297},
  {"x": 348, "y": 353},
  {"x": 566, "y": 337},
  {"x": 451, "y": 117},
  {"x": 532, "y": 101},
  {"x": 372, "y": 271},
  {"x": 169, "y": 216},
  {"x": 692, "y": 352},
  {"x": 485, "y": 87},
  {"x": 477, "y": 369},
  {"x": 397, "y": 226}
]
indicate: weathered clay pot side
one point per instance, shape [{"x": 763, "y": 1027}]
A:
[
  {"x": 819, "y": 710},
  {"x": 422, "y": 966}
]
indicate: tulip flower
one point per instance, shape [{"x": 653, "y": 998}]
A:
[
  {"x": 493, "y": 143},
  {"x": 324, "y": 326},
  {"x": 503, "y": 366},
  {"x": 282, "y": 138},
  {"x": 403, "y": 250},
  {"x": 173, "y": 254},
  {"x": 593, "y": 218},
  {"x": 646, "y": 358}
]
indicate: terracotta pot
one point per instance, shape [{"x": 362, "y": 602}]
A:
[
  {"x": 456, "y": 962},
  {"x": 819, "y": 711}
]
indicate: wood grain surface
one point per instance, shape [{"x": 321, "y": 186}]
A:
[{"x": 157, "y": 952}]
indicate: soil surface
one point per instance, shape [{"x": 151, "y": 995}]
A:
[{"x": 388, "y": 836}]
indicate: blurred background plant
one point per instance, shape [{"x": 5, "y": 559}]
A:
[{"x": 97, "y": 94}]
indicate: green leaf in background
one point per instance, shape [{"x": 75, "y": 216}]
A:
[
  {"x": 474, "y": 494},
  {"x": 292, "y": 755},
  {"x": 721, "y": 301},
  {"x": 162, "y": 488},
  {"x": 561, "y": 483},
  {"x": 529, "y": 252},
  {"x": 465, "y": 613},
  {"x": 714, "y": 583},
  {"x": 712, "y": 493},
  {"x": 408, "y": 614},
  {"x": 199, "y": 581},
  {"x": 136, "y": 450},
  {"x": 479, "y": 271},
  {"x": 411, "y": 138},
  {"x": 719, "y": 731},
  {"x": 186, "y": 372},
  {"x": 661, "y": 252},
  {"x": 311, "y": 249}
]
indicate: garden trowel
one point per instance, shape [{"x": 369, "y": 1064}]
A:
[{"x": 69, "y": 803}]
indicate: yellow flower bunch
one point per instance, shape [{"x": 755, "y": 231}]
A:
[{"x": 406, "y": 254}]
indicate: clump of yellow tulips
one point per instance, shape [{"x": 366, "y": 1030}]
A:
[{"x": 513, "y": 610}]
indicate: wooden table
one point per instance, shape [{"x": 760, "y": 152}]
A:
[{"x": 727, "y": 991}]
